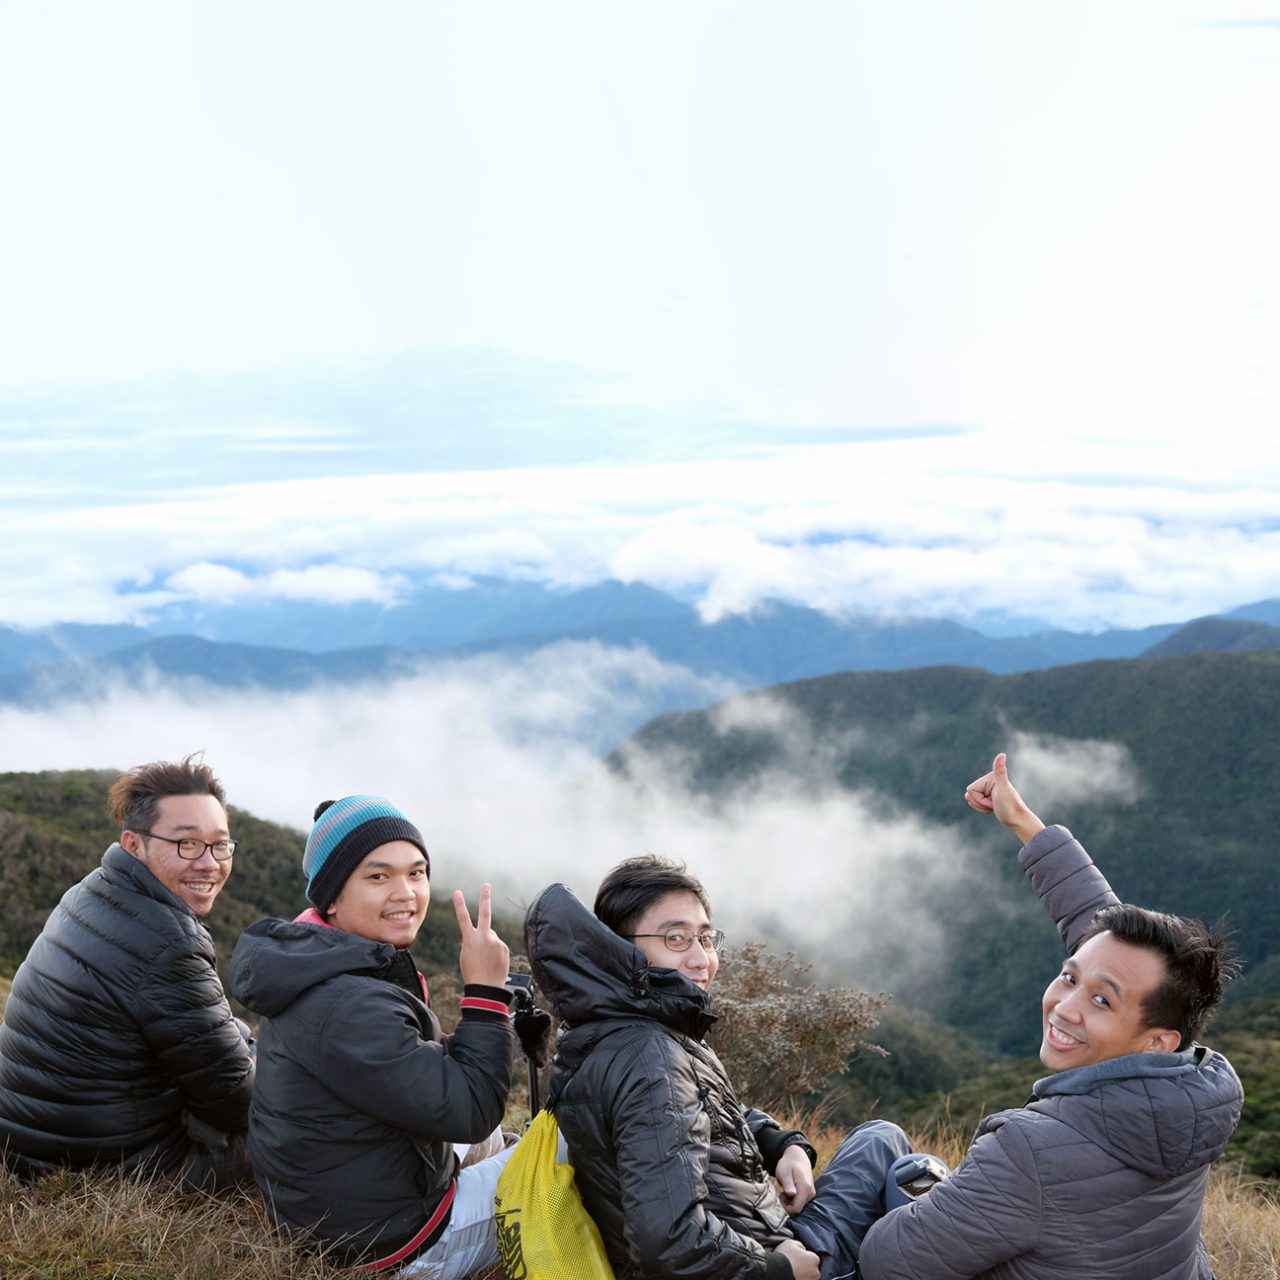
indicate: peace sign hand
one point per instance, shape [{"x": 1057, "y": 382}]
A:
[{"x": 485, "y": 959}]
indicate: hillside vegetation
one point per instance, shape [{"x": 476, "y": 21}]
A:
[{"x": 1194, "y": 837}]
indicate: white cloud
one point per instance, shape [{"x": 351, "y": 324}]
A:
[
  {"x": 1062, "y": 775},
  {"x": 492, "y": 759},
  {"x": 330, "y": 584},
  {"x": 919, "y": 526}
]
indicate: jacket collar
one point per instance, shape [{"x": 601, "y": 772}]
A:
[{"x": 1129, "y": 1066}]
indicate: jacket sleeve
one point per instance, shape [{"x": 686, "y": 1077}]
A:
[
  {"x": 184, "y": 1017},
  {"x": 373, "y": 1056},
  {"x": 1071, "y": 889},
  {"x": 773, "y": 1139},
  {"x": 661, "y": 1135},
  {"x": 987, "y": 1212}
]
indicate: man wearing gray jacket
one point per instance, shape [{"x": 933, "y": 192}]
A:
[{"x": 1103, "y": 1172}]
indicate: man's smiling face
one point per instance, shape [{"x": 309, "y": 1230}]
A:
[
  {"x": 1093, "y": 1010},
  {"x": 196, "y": 881},
  {"x": 385, "y": 898}
]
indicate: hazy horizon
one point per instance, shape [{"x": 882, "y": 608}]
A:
[{"x": 906, "y": 308}]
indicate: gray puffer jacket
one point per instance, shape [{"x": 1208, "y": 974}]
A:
[
  {"x": 672, "y": 1168},
  {"x": 1101, "y": 1174},
  {"x": 116, "y": 1026}
]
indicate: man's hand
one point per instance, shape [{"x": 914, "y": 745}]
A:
[
  {"x": 994, "y": 793},
  {"x": 805, "y": 1265},
  {"x": 795, "y": 1179},
  {"x": 485, "y": 958}
]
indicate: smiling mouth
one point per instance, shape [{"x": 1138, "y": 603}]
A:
[
  {"x": 399, "y": 917},
  {"x": 1060, "y": 1039},
  {"x": 200, "y": 886}
]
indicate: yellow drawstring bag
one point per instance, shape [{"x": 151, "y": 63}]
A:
[{"x": 544, "y": 1232}]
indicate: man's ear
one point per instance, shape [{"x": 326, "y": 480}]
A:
[
  {"x": 1163, "y": 1041},
  {"x": 131, "y": 842}
]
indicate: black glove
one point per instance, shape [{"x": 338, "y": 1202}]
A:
[{"x": 533, "y": 1026}]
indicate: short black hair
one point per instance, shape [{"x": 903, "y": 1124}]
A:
[
  {"x": 1198, "y": 962},
  {"x": 134, "y": 798},
  {"x": 635, "y": 884}
]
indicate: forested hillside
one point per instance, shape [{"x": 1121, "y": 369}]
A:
[{"x": 1193, "y": 832}]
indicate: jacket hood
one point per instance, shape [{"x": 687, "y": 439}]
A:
[
  {"x": 275, "y": 961},
  {"x": 1160, "y": 1113},
  {"x": 587, "y": 973}
]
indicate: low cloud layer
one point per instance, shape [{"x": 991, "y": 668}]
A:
[
  {"x": 493, "y": 760},
  {"x": 948, "y": 524}
]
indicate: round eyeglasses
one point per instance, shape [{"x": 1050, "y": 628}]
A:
[
  {"x": 682, "y": 939},
  {"x": 191, "y": 849}
]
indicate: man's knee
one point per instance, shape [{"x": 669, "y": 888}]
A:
[{"x": 880, "y": 1142}]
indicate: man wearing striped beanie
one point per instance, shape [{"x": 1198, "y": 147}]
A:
[{"x": 359, "y": 1097}]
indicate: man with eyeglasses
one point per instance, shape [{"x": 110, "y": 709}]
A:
[
  {"x": 672, "y": 1168},
  {"x": 118, "y": 1047}
]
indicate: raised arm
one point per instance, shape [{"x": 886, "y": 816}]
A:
[{"x": 1070, "y": 888}]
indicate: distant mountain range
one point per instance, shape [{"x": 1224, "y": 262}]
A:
[{"x": 293, "y": 646}]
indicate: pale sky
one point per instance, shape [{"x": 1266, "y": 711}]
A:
[{"x": 895, "y": 306}]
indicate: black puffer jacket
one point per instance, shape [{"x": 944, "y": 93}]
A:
[
  {"x": 671, "y": 1167},
  {"x": 358, "y": 1095},
  {"x": 117, "y": 1024}
]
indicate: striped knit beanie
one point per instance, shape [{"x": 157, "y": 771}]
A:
[{"x": 346, "y": 832}]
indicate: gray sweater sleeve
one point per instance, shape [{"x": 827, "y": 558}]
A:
[{"x": 1070, "y": 888}]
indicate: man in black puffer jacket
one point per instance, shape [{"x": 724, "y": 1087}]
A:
[
  {"x": 674, "y": 1170},
  {"x": 359, "y": 1096},
  {"x": 118, "y": 1047}
]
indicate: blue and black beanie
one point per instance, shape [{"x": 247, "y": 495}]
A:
[{"x": 346, "y": 832}]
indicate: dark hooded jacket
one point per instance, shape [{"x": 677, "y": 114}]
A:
[
  {"x": 1101, "y": 1174},
  {"x": 116, "y": 1026},
  {"x": 358, "y": 1095},
  {"x": 671, "y": 1167}
]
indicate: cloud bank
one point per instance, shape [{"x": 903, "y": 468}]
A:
[
  {"x": 946, "y": 524},
  {"x": 494, "y": 760}
]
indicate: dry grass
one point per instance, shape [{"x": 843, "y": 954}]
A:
[
  {"x": 73, "y": 1226},
  {"x": 1242, "y": 1227},
  {"x": 77, "y": 1227}
]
